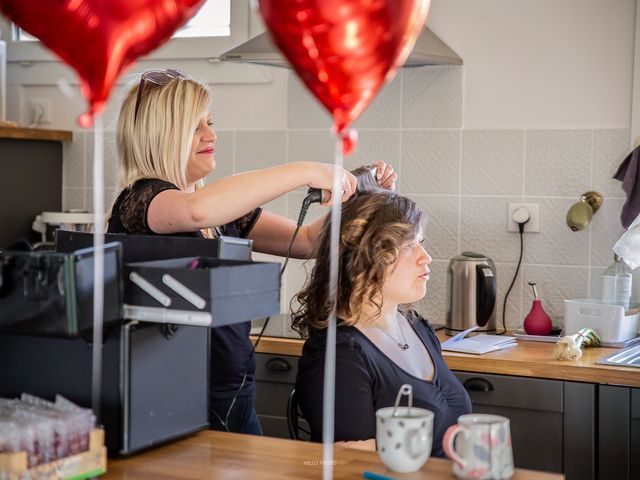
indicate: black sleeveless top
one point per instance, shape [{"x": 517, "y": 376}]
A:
[
  {"x": 366, "y": 380},
  {"x": 231, "y": 349}
]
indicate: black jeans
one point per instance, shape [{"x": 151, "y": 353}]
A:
[{"x": 242, "y": 417}]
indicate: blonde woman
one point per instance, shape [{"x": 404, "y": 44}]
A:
[
  {"x": 166, "y": 147},
  {"x": 379, "y": 346}
]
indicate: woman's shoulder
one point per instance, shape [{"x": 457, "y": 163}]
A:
[
  {"x": 133, "y": 202},
  {"x": 145, "y": 184},
  {"x": 416, "y": 317},
  {"x": 422, "y": 325},
  {"x": 347, "y": 338},
  {"x": 144, "y": 188}
]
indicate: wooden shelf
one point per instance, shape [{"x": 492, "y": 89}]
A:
[{"x": 21, "y": 133}]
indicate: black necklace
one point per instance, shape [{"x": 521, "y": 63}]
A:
[{"x": 403, "y": 345}]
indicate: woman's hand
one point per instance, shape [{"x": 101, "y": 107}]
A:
[
  {"x": 368, "y": 445},
  {"x": 322, "y": 177},
  {"x": 385, "y": 176}
]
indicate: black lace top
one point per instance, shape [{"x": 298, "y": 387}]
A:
[
  {"x": 231, "y": 350},
  {"x": 129, "y": 214}
]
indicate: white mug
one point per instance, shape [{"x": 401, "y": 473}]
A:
[
  {"x": 482, "y": 447},
  {"x": 404, "y": 440}
]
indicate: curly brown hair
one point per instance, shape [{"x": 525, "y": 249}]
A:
[{"x": 373, "y": 228}]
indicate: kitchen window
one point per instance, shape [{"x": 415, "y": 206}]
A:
[
  {"x": 212, "y": 20},
  {"x": 218, "y": 26}
]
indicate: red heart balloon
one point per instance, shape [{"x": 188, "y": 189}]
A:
[
  {"x": 345, "y": 50},
  {"x": 99, "y": 38}
]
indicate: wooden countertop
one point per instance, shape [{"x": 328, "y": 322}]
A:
[
  {"x": 212, "y": 454},
  {"x": 35, "y": 134},
  {"x": 528, "y": 359}
]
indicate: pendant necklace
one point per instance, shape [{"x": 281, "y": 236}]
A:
[{"x": 403, "y": 345}]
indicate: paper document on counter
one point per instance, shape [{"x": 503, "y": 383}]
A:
[{"x": 478, "y": 344}]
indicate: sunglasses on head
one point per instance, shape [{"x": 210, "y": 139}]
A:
[{"x": 158, "y": 77}]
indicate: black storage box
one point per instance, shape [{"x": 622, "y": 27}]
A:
[
  {"x": 50, "y": 293},
  {"x": 141, "y": 248},
  {"x": 154, "y": 379},
  {"x": 223, "y": 291}
]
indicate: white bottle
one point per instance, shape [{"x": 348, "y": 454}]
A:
[
  {"x": 635, "y": 288},
  {"x": 616, "y": 283}
]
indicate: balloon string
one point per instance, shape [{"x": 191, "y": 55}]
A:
[
  {"x": 330, "y": 349},
  {"x": 98, "y": 276}
]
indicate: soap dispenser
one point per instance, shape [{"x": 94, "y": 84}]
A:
[{"x": 537, "y": 322}]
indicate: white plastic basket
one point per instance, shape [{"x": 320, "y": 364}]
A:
[{"x": 608, "y": 321}]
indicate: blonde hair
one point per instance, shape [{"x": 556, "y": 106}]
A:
[{"x": 157, "y": 143}]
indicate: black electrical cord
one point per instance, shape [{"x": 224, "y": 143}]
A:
[
  {"x": 313, "y": 195},
  {"x": 515, "y": 276}
]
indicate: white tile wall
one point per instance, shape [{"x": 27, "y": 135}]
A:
[
  {"x": 515, "y": 311},
  {"x": 110, "y": 171},
  {"x": 483, "y": 228},
  {"x": 556, "y": 243},
  {"x": 311, "y": 146},
  {"x": 595, "y": 284},
  {"x": 554, "y": 284},
  {"x": 462, "y": 179},
  {"x": 434, "y": 305},
  {"x": 440, "y": 224},
  {"x": 432, "y": 97},
  {"x": 260, "y": 149},
  {"x": 385, "y": 109},
  {"x": 74, "y": 160},
  {"x": 605, "y": 230},
  {"x": 610, "y": 147},
  {"x": 430, "y": 161},
  {"x": 375, "y": 145},
  {"x": 492, "y": 162},
  {"x": 558, "y": 162},
  {"x": 72, "y": 198},
  {"x": 224, "y": 155},
  {"x": 303, "y": 110}
]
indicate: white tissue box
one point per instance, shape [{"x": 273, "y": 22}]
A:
[{"x": 608, "y": 321}]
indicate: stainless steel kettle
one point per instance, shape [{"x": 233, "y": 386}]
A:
[{"x": 471, "y": 290}]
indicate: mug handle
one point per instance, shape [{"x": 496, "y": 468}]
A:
[
  {"x": 447, "y": 444},
  {"x": 416, "y": 441}
]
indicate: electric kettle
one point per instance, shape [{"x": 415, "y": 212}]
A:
[{"x": 471, "y": 290}]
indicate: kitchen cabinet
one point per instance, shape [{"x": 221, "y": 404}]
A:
[
  {"x": 275, "y": 379},
  {"x": 30, "y": 178},
  {"x": 553, "y": 423},
  {"x": 619, "y": 433}
]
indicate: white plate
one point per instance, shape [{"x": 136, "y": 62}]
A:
[
  {"x": 554, "y": 338},
  {"x": 520, "y": 335}
]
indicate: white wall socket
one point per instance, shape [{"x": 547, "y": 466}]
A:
[
  {"x": 533, "y": 225},
  {"x": 41, "y": 107}
]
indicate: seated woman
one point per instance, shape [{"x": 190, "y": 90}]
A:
[{"x": 379, "y": 347}]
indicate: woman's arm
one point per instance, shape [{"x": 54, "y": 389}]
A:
[
  {"x": 227, "y": 199},
  {"x": 272, "y": 233},
  {"x": 367, "y": 445}
]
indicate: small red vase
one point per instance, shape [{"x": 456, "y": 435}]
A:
[{"x": 537, "y": 322}]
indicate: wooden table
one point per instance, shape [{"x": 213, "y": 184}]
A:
[{"x": 209, "y": 455}]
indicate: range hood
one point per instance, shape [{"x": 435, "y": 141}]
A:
[{"x": 429, "y": 50}]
